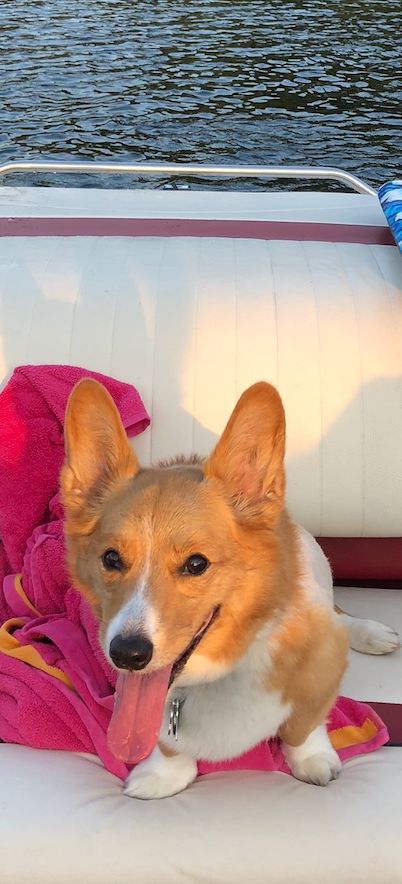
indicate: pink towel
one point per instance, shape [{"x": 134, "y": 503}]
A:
[
  {"x": 66, "y": 702},
  {"x": 32, "y": 410},
  {"x": 36, "y": 709}
]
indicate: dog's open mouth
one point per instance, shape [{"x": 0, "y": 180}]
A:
[
  {"x": 140, "y": 701},
  {"x": 180, "y": 663}
]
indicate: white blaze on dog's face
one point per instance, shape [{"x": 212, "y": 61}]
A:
[{"x": 179, "y": 554}]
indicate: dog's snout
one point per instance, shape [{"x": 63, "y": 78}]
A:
[{"x": 131, "y": 652}]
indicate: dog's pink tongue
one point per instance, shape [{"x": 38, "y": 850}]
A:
[{"x": 137, "y": 715}]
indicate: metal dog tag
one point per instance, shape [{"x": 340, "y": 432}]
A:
[{"x": 174, "y": 717}]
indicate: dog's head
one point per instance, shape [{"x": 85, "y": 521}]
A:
[{"x": 179, "y": 561}]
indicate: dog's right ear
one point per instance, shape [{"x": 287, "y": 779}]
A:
[{"x": 98, "y": 454}]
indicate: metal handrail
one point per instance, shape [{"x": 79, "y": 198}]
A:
[{"x": 169, "y": 169}]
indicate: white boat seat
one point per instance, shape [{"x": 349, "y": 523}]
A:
[
  {"x": 64, "y": 819},
  {"x": 191, "y": 322}
]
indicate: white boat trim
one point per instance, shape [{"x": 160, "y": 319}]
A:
[
  {"x": 219, "y": 205},
  {"x": 197, "y": 169}
]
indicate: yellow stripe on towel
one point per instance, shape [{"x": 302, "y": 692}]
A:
[
  {"x": 13, "y": 648},
  {"x": 351, "y": 735}
]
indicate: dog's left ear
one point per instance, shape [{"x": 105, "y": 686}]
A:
[
  {"x": 249, "y": 456},
  {"x": 98, "y": 453}
]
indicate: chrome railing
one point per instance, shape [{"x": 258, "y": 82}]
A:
[{"x": 190, "y": 170}]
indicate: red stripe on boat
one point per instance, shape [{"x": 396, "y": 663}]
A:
[
  {"x": 297, "y": 231},
  {"x": 391, "y": 715},
  {"x": 364, "y": 558}
]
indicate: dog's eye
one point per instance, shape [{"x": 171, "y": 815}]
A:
[
  {"x": 112, "y": 561},
  {"x": 195, "y": 565}
]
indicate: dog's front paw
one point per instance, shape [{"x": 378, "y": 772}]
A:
[
  {"x": 318, "y": 769},
  {"x": 314, "y": 761},
  {"x": 160, "y": 776}
]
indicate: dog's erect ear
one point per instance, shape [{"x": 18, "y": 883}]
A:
[
  {"x": 98, "y": 454},
  {"x": 249, "y": 456}
]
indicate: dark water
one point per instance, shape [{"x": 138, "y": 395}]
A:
[{"x": 315, "y": 82}]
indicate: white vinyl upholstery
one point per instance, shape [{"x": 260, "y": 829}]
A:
[
  {"x": 370, "y": 678},
  {"x": 192, "y": 322},
  {"x": 64, "y": 819}
]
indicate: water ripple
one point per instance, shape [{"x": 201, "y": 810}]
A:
[{"x": 316, "y": 81}]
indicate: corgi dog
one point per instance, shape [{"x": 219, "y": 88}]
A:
[{"x": 215, "y": 608}]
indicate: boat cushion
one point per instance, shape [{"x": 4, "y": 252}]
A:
[
  {"x": 376, "y": 680},
  {"x": 192, "y": 321},
  {"x": 64, "y": 819},
  {"x": 390, "y": 196}
]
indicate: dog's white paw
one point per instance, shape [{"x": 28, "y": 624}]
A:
[
  {"x": 315, "y": 761},
  {"x": 370, "y": 637},
  {"x": 318, "y": 769},
  {"x": 160, "y": 776}
]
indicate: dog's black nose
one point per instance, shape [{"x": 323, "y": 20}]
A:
[{"x": 131, "y": 652}]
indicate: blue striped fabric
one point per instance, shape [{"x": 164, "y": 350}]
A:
[{"x": 390, "y": 196}]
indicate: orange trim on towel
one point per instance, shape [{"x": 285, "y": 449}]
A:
[
  {"x": 19, "y": 590},
  {"x": 26, "y": 653},
  {"x": 343, "y": 737}
]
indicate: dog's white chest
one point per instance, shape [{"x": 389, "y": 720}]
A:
[{"x": 224, "y": 718}]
